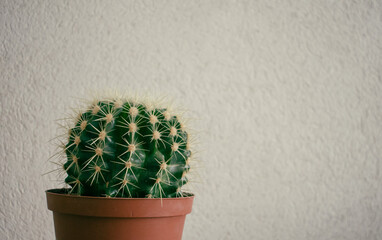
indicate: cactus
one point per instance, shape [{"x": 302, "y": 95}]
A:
[{"x": 122, "y": 148}]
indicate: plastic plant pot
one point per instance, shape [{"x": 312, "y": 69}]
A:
[{"x": 101, "y": 218}]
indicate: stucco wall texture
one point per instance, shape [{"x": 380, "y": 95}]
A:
[{"x": 286, "y": 97}]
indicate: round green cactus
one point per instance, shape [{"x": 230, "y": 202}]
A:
[{"x": 122, "y": 148}]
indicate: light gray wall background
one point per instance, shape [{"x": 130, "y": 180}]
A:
[{"x": 286, "y": 96}]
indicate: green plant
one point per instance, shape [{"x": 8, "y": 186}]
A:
[{"x": 122, "y": 148}]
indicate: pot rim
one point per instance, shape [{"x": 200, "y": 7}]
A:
[
  {"x": 117, "y": 207},
  {"x": 54, "y": 191}
]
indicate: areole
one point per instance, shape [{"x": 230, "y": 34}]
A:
[{"x": 83, "y": 217}]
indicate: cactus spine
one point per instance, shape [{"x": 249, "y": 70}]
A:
[{"x": 122, "y": 148}]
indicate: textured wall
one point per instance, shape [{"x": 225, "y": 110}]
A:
[{"x": 287, "y": 97}]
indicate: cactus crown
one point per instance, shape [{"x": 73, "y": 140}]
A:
[{"x": 122, "y": 148}]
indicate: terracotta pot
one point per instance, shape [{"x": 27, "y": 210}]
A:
[{"x": 82, "y": 217}]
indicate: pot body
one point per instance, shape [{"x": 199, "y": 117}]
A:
[{"x": 98, "y": 218}]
